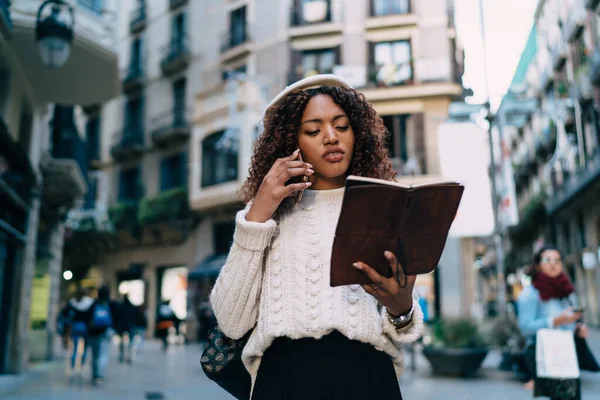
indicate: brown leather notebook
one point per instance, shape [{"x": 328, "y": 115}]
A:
[{"x": 411, "y": 221}]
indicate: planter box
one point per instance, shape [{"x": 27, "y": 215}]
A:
[{"x": 456, "y": 362}]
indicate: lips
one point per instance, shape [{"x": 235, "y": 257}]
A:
[{"x": 334, "y": 155}]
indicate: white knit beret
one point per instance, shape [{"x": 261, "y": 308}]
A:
[{"x": 311, "y": 82}]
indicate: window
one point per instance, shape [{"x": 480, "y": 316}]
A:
[
  {"x": 134, "y": 120},
  {"x": 173, "y": 171},
  {"x": 397, "y": 140},
  {"x": 219, "y": 159},
  {"x": 90, "y": 196},
  {"x": 94, "y": 6},
  {"x": 389, "y": 7},
  {"x": 92, "y": 133},
  {"x": 179, "y": 94},
  {"x": 223, "y": 236},
  {"x": 232, "y": 71},
  {"x": 237, "y": 28},
  {"x": 318, "y": 61},
  {"x": 130, "y": 187},
  {"x": 178, "y": 27},
  {"x": 567, "y": 237},
  {"x": 392, "y": 63},
  {"x": 311, "y": 11},
  {"x": 581, "y": 229}
]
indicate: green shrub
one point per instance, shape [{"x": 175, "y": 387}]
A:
[
  {"x": 457, "y": 333},
  {"x": 123, "y": 215},
  {"x": 166, "y": 206}
]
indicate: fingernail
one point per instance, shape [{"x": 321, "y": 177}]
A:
[
  {"x": 309, "y": 165},
  {"x": 296, "y": 151},
  {"x": 310, "y": 171},
  {"x": 308, "y": 184},
  {"x": 357, "y": 266}
]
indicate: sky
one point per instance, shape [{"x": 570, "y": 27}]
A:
[{"x": 507, "y": 25}]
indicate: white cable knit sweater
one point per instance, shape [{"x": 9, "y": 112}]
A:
[{"x": 276, "y": 280}]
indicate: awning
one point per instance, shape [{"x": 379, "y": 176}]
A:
[{"x": 209, "y": 267}]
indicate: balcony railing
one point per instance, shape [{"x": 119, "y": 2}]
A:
[
  {"x": 177, "y": 55},
  {"x": 133, "y": 77},
  {"x": 5, "y": 19},
  {"x": 314, "y": 12},
  {"x": 123, "y": 215},
  {"x": 137, "y": 21},
  {"x": 231, "y": 40},
  {"x": 172, "y": 126},
  {"x": 129, "y": 143},
  {"x": 380, "y": 8},
  {"x": 387, "y": 75},
  {"x": 72, "y": 147},
  {"x": 575, "y": 183}
]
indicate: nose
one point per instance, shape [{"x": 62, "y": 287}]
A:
[{"x": 330, "y": 136}]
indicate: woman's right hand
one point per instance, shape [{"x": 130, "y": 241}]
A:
[
  {"x": 273, "y": 188},
  {"x": 566, "y": 317}
]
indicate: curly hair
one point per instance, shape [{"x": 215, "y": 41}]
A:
[{"x": 280, "y": 136}]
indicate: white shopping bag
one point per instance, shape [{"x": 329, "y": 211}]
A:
[{"x": 555, "y": 354}]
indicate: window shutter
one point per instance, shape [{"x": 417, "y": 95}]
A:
[{"x": 338, "y": 55}]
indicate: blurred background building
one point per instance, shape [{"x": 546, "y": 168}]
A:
[{"x": 547, "y": 145}]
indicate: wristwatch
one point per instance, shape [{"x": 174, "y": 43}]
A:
[{"x": 401, "y": 320}]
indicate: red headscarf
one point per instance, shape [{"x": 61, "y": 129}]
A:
[{"x": 552, "y": 288}]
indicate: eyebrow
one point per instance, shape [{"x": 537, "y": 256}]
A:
[{"x": 320, "y": 120}]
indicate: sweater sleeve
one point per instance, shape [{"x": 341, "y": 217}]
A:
[
  {"x": 409, "y": 333},
  {"x": 236, "y": 293}
]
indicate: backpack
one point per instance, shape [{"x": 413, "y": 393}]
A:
[{"x": 101, "y": 316}]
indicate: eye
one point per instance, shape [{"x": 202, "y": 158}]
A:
[
  {"x": 312, "y": 133},
  {"x": 343, "y": 128}
]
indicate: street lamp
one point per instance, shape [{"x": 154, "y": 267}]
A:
[{"x": 54, "y": 33}]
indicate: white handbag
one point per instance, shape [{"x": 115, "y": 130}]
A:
[{"x": 555, "y": 354}]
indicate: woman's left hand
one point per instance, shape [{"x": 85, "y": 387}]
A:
[
  {"x": 397, "y": 300},
  {"x": 582, "y": 331}
]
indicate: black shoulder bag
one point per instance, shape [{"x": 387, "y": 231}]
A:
[{"x": 222, "y": 363}]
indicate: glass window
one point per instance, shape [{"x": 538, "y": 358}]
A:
[
  {"x": 173, "y": 172},
  {"x": 92, "y": 131},
  {"x": 237, "y": 28},
  {"x": 393, "y": 62},
  {"x": 389, "y": 7},
  {"x": 130, "y": 185},
  {"x": 318, "y": 62},
  {"x": 219, "y": 159}
]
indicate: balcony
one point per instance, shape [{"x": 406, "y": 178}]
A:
[
  {"x": 532, "y": 216},
  {"x": 91, "y": 75},
  {"x": 581, "y": 87},
  {"x": 583, "y": 180},
  {"x": 388, "y": 75},
  {"x": 134, "y": 78},
  {"x": 89, "y": 234},
  {"x": 595, "y": 67},
  {"x": 173, "y": 4},
  {"x": 573, "y": 26},
  {"x": 129, "y": 144},
  {"x": 137, "y": 20},
  {"x": 177, "y": 56},
  {"x": 5, "y": 20},
  {"x": 312, "y": 19},
  {"x": 390, "y": 14},
  {"x": 216, "y": 102},
  {"x": 123, "y": 215},
  {"x": 170, "y": 127},
  {"x": 64, "y": 173},
  {"x": 166, "y": 217},
  {"x": 237, "y": 44}
]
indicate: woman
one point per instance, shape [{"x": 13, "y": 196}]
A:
[
  {"x": 549, "y": 301},
  {"x": 311, "y": 341}
]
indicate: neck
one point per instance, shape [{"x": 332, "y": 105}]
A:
[{"x": 321, "y": 183}]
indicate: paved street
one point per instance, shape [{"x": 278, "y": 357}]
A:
[{"x": 177, "y": 375}]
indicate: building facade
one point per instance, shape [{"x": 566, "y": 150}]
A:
[
  {"x": 550, "y": 133},
  {"x": 196, "y": 77},
  {"x": 43, "y": 166}
]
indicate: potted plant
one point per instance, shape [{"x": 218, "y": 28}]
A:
[{"x": 457, "y": 348}]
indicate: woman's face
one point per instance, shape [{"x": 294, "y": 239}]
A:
[
  {"x": 551, "y": 263},
  {"x": 326, "y": 140}
]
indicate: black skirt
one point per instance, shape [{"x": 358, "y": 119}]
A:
[{"x": 333, "y": 367}]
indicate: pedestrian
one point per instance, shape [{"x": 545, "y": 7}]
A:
[
  {"x": 100, "y": 323},
  {"x": 548, "y": 303},
  {"x": 73, "y": 322},
  {"x": 126, "y": 327},
  {"x": 140, "y": 326},
  {"x": 165, "y": 320},
  {"x": 310, "y": 340}
]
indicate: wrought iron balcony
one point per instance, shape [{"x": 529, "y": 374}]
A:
[
  {"x": 137, "y": 21},
  {"x": 5, "y": 19},
  {"x": 308, "y": 13},
  {"x": 173, "y": 4},
  {"x": 177, "y": 55},
  {"x": 129, "y": 143},
  {"x": 171, "y": 127},
  {"x": 134, "y": 77}
]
